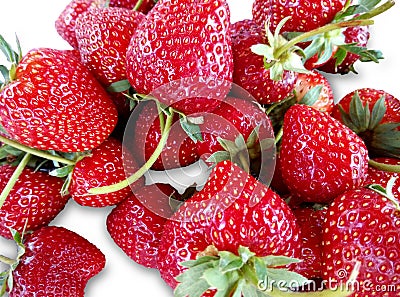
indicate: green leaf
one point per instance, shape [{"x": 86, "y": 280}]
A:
[
  {"x": 377, "y": 114},
  {"x": 219, "y": 157},
  {"x": 263, "y": 50},
  {"x": 192, "y": 130},
  {"x": 229, "y": 262},
  {"x": 312, "y": 96},
  {"x": 286, "y": 278},
  {"x": 195, "y": 288},
  {"x": 273, "y": 261},
  {"x": 62, "y": 171},
  {"x": 249, "y": 290},
  {"x": 198, "y": 261},
  {"x": 260, "y": 269},
  {"x": 216, "y": 279},
  {"x": 245, "y": 253},
  {"x": 119, "y": 86}
]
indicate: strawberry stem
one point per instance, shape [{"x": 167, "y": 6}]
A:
[
  {"x": 35, "y": 152},
  {"x": 137, "y": 5},
  {"x": 14, "y": 178},
  {"x": 373, "y": 13},
  {"x": 384, "y": 167},
  {"x": 142, "y": 170},
  {"x": 327, "y": 28}
]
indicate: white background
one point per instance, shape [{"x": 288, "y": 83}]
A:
[{"x": 33, "y": 21}]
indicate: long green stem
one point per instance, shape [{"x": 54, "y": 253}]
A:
[
  {"x": 14, "y": 178},
  {"x": 321, "y": 30},
  {"x": 373, "y": 13},
  {"x": 35, "y": 152},
  {"x": 142, "y": 170},
  {"x": 384, "y": 167},
  {"x": 138, "y": 4}
]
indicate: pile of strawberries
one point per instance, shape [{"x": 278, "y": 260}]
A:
[{"x": 300, "y": 194}]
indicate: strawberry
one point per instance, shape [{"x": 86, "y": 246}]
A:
[
  {"x": 232, "y": 211},
  {"x": 337, "y": 63},
  {"x": 312, "y": 144},
  {"x": 136, "y": 223},
  {"x": 179, "y": 151},
  {"x": 310, "y": 221},
  {"x": 54, "y": 103},
  {"x": 305, "y": 15},
  {"x": 250, "y": 72},
  {"x": 65, "y": 22},
  {"x": 34, "y": 201},
  {"x": 189, "y": 54},
  {"x": 362, "y": 226},
  {"x": 143, "y": 6},
  {"x": 374, "y": 115},
  {"x": 56, "y": 262},
  {"x": 106, "y": 165},
  {"x": 238, "y": 131},
  {"x": 103, "y": 36},
  {"x": 323, "y": 99},
  {"x": 382, "y": 177}
]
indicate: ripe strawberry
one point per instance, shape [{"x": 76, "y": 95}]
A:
[
  {"x": 374, "y": 116},
  {"x": 312, "y": 144},
  {"x": 232, "y": 210},
  {"x": 56, "y": 262},
  {"x": 249, "y": 70},
  {"x": 35, "y": 200},
  {"x": 353, "y": 35},
  {"x": 322, "y": 100},
  {"x": 103, "y": 36},
  {"x": 310, "y": 221},
  {"x": 107, "y": 164},
  {"x": 362, "y": 225},
  {"x": 136, "y": 223},
  {"x": 382, "y": 177},
  {"x": 305, "y": 15},
  {"x": 145, "y": 134},
  {"x": 190, "y": 52},
  {"x": 54, "y": 103},
  {"x": 65, "y": 23}
]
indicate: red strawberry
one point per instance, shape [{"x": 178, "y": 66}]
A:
[
  {"x": 56, "y": 261},
  {"x": 185, "y": 46},
  {"x": 54, "y": 103},
  {"x": 249, "y": 70},
  {"x": 382, "y": 177},
  {"x": 362, "y": 226},
  {"x": 35, "y": 200},
  {"x": 312, "y": 145},
  {"x": 232, "y": 210},
  {"x": 374, "y": 116},
  {"x": 310, "y": 221},
  {"x": 103, "y": 36},
  {"x": 322, "y": 100},
  {"x": 136, "y": 223},
  {"x": 356, "y": 35},
  {"x": 145, "y": 134},
  {"x": 305, "y": 15},
  {"x": 107, "y": 164},
  {"x": 65, "y": 23}
]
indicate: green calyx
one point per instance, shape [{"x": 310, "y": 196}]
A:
[
  {"x": 387, "y": 192},
  {"x": 283, "y": 53},
  {"x": 243, "y": 274},
  {"x": 381, "y": 139},
  {"x": 13, "y": 57},
  {"x": 6, "y": 277}
]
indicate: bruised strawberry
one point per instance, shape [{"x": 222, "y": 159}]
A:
[
  {"x": 55, "y": 103},
  {"x": 55, "y": 260},
  {"x": 34, "y": 201},
  {"x": 185, "y": 46},
  {"x": 106, "y": 165},
  {"x": 103, "y": 36},
  {"x": 320, "y": 157},
  {"x": 232, "y": 210}
]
